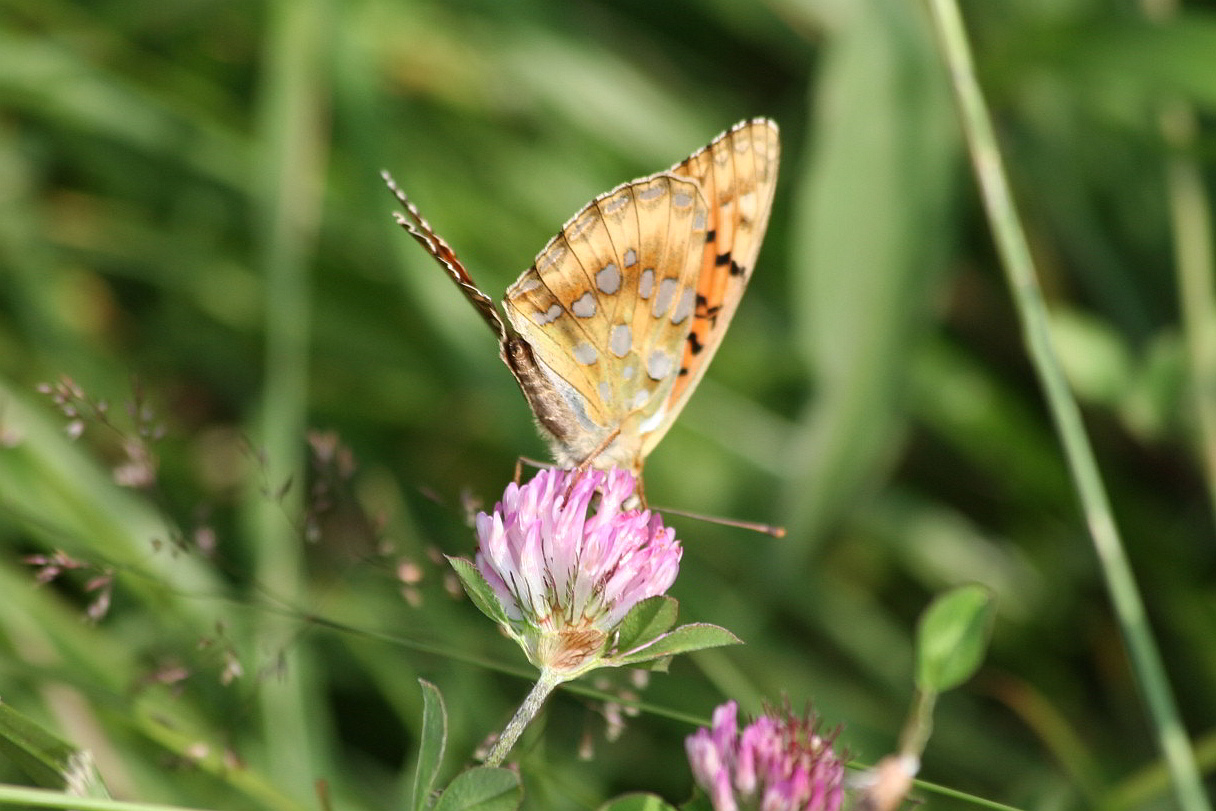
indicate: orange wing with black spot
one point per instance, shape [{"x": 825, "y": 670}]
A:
[{"x": 737, "y": 173}]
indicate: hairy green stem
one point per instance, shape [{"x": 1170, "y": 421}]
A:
[
  {"x": 1032, "y": 312},
  {"x": 919, "y": 725},
  {"x": 523, "y": 716}
]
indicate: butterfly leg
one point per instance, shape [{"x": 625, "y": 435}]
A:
[
  {"x": 589, "y": 460},
  {"x": 771, "y": 530},
  {"x": 640, "y": 493},
  {"x": 522, "y": 461}
]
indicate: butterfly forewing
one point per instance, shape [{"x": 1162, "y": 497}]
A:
[
  {"x": 738, "y": 175},
  {"x": 600, "y": 311}
]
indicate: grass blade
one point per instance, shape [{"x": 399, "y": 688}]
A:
[{"x": 1032, "y": 312}]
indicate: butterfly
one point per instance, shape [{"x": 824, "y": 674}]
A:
[{"x": 610, "y": 330}]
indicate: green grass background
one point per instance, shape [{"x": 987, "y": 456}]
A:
[{"x": 189, "y": 196}]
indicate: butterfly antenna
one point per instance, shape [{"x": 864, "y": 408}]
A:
[
  {"x": 417, "y": 227},
  {"x": 764, "y": 529}
]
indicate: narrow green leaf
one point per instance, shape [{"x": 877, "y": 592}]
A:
[
  {"x": 646, "y": 620},
  {"x": 879, "y": 151},
  {"x": 46, "y": 759},
  {"x": 478, "y": 589},
  {"x": 684, "y": 639},
  {"x": 431, "y": 744},
  {"x": 482, "y": 789},
  {"x": 637, "y": 802},
  {"x": 952, "y": 637}
]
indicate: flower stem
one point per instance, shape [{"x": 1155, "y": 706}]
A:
[
  {"x": 919, "y": 725},
  {"x": 523, "y": 716}
]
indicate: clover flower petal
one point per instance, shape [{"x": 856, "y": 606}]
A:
[
  {"x": 777, "y": 763},
  {"x": 566, "y": 576}
]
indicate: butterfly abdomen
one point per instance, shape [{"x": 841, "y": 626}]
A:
[{"x": 560, "y": 411}]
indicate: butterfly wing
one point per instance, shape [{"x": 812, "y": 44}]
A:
[
  {"x": 617, "y": 320},
  {"x": 606, "y": 311},
  {"x": 737, "y": 173}
]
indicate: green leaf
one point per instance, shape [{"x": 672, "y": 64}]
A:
[
  {"x": 645, "y": 621},
  {"x": 952, "y": 637},
  {"x": 879, "y": 150},
  {"x": 479, "y": 590},
  {"x": 46, "y": 759},
  {"x": 698, "y": 802},
  {"x": 483, "y": 789},
  {"x": 637, "y": 802},
  {"x": 433, "y": 740},
  {"x": 684, "y": 639}
]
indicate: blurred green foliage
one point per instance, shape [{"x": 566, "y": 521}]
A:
[{"x": 189, "y": 198}]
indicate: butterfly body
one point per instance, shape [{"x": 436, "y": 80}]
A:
[{"x": 615, "y": 323}]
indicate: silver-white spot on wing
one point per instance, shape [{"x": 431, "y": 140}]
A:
[
  {"x": 608, "y": 279},
  {"x": 548, "y": 316},
  {"x": 667, "y": 291},
  {"x": 684, "y": 308},
  {"x": 584, "y": 305},
  {"x": 631, "y": 257},
  {"x": 615, "y": 204},
  {"x": 658, "y": 365},
  {"x": 646, "y": 283},
  {"x": 652, "y": 192},
  {"x": 552, "y": 257},
  {"x": 579, "y": 228},
  {"x": 620, "y": 340},
  {"x": 585, "y": 353},
  {"x": 653, "y": 421}
]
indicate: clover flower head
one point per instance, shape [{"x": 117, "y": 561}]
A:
[
  {"x": 566, "y": 577},
  {"x": 779, "y": 762}
]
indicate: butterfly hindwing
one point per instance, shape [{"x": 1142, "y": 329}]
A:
[{"x": 601, "y": 309}]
